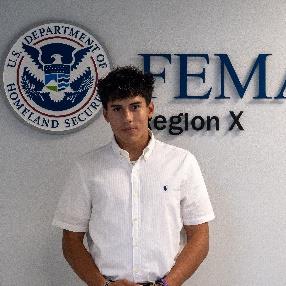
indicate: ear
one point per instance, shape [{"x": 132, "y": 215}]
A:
[
  {"x": 105, "y": 115},
  {"x": 151, "y": 109}
]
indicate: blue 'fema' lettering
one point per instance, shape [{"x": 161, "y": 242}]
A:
[{"x": 259, "y": 67}]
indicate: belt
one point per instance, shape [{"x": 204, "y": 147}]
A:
[{"x": 147, "y": 283}]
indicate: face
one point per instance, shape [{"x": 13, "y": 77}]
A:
[{"x": 128, "y": 119}]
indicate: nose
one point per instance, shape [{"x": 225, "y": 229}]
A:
[{"x": 127, "y": 115}]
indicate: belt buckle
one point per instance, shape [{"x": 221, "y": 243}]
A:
[{"x": 150, "y": 283}]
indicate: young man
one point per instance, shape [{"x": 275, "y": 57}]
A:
[{"x": 133, "y": 197}]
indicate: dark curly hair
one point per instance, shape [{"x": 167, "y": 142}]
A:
[{"x": 125, "y": 82}]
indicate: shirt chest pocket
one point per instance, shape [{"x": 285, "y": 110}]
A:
[
  {"x": 161, "y": 193},
  {"x": 171, "y": 194}
]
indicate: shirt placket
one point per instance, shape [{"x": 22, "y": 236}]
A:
[{"x": 135, "y": 185}]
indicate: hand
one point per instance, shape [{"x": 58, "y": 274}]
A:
[{"x": 123, "y": 282}]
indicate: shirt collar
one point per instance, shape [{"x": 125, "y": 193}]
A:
[{"x": 146, "y": 152}]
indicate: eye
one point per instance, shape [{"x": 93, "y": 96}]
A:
[
  {"x": 135, "y": 106},
  {"x": 116, "y": 109}
]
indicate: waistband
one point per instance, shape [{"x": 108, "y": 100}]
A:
[
  {"x": 146, "y": 283},
  {"x": 150, "y": 283}
]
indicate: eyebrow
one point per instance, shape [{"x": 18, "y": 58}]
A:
[
  {"x": 119, "y": 105},
  {"x": 137, "y": 102}
]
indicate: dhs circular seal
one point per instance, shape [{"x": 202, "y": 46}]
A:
[{"x": 50, "y": 76}]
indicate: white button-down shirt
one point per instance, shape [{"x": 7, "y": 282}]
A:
[{"x": 133, "y": 214}]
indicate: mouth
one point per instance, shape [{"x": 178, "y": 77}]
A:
[{"x": 128, "y": 129}]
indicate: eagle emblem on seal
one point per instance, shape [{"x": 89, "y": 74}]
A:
[{"x": 57, "y": 62}]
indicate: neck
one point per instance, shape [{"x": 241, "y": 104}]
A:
[{"x": 135, "y": 149}]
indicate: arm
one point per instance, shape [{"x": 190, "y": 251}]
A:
[
  {"x": 80, "y": 259},
  {"x": 82, "y": 262},
  {"x": 191, "y": 256}
]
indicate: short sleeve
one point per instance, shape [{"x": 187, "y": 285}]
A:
[
  {"x": 196, "y": 207},
  {"x": 74, "y": 207}
]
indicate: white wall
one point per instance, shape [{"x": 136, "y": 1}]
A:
[{"x": 244, "y": 171}]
